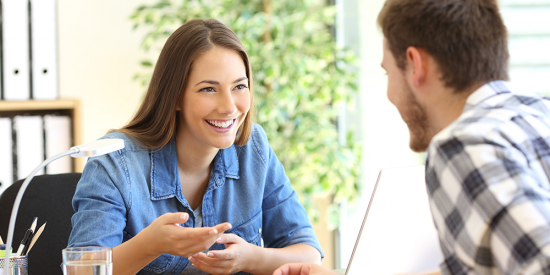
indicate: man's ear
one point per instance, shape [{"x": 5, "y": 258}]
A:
[{"x": 416, "y": 62}]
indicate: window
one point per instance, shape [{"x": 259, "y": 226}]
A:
[{"x": 528, "y": 23}]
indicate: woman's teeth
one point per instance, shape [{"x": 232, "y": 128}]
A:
[{"x": 221, "y": 124}]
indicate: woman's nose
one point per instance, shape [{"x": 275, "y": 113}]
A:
[{"x": 226, "y": 104}]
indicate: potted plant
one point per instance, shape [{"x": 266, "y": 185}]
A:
[{"x": 301, "y": 79}]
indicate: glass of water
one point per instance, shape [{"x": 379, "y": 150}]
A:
[{"x": 90, "y": 260}]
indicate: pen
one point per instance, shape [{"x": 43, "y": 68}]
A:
[
  {"x": 27, "y": 237},
  {"x": 36, "y": 236}
]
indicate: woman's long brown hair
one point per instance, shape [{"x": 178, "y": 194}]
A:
[{"x": 156, "y": 120}]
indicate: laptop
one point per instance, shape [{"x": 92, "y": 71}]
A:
[{"x": 398, "y": 234}]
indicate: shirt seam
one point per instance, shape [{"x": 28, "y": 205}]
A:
[
  {"x": 257, "y": 147},
  {"x": 283, "y": 201},
  {"x": 127, "y": 176}
]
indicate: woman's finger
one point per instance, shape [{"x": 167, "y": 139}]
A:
[
  {"x": 226, "y": 254},
  {"x": 222, "y": 227},
  {"x": 198, "y": 234},
  {"x": 212, "y": 268},
  {"x": 228, "y": 238},
  {"x": 174, "y": 218}
]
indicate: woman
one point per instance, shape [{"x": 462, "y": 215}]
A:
[{"x": 197, "y": 187}]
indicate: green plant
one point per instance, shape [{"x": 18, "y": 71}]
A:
[{"x": 300, "y": 81}]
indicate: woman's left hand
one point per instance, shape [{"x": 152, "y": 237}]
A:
[{"x": 236, "y": 257}]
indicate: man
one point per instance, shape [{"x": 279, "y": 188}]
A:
[{"x": 488, "y": 164}]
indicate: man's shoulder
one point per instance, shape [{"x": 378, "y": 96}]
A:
[{"x": 514, "y": 116}]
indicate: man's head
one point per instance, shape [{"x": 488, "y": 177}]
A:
[{"x": 446, "y": 45}]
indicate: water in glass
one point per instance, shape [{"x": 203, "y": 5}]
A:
[{"x": 88, "y": 267}]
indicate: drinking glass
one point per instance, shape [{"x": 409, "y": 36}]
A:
[{"x": 90, "y": 260}]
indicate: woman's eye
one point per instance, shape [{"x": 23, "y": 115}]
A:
[
  {"x": 207, "y": 89},
  {"x": 240, "y": 87}
]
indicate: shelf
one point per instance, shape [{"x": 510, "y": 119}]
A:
[
  {"x": 38, "y": 105},
  {"x": 73, "y": 106}
]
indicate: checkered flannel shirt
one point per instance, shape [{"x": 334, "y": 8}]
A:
[{"x": 487, "y": 177}]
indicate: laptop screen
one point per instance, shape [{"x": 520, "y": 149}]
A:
[{"x": 398, "y": 234}]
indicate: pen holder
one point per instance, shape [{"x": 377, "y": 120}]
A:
[{"x": 18, "y": 265}]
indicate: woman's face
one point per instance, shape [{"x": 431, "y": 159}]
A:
[{"x": 216, "y": 99}]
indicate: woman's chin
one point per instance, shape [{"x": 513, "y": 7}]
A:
[{"x": 224, "y": 144}]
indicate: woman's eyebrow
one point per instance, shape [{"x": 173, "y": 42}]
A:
[
  {"x": 240, "y": 79},
  {"x": 213, "y": 82}
]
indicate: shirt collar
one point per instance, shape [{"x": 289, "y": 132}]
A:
[
  {"x": 485, "y": 92},
  {"x": 165, "y": 182}
]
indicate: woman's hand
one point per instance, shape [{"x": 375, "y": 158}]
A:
[
  {"x": 237, "y": 256},
  {"x": 165, "y": 235},
  {"x": 303, "y": 269}
]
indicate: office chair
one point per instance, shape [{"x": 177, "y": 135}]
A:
[{"x": 48, "y": 197}]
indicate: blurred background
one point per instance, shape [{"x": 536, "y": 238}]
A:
[{"x": 321, "y": 94}]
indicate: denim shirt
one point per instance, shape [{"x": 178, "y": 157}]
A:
[{"x": 123, "y": 192}]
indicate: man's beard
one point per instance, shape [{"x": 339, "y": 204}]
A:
[{"x": 417, "y": 121}]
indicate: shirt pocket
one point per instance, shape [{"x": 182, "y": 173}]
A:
[
  {"x": 158, "y": 265},
  {"x": 250, "y": 231}
]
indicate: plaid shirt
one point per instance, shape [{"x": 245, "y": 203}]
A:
[{"x": 487, "y": 177}]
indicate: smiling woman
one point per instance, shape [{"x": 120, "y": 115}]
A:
[
  {"x": 216, "y": 100},
  {"x": 197, "y": 187}
]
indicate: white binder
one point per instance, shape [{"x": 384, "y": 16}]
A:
[
  {"x": 6, "y": 160},
  {"x": 15, "y": 20},
  {"x": 44, "y": 49},
  {"x": 58, "y": 140},
  {"x": 29, "y": 144}
]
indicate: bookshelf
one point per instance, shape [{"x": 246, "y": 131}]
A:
[{"x": 68, "y": 107}]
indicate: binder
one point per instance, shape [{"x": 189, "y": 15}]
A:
[
  {"x": 44, "y": 49},
  {"x": 58, "y": 140},
  {"x": 15, "y": 29},
  {"x": 29, "y": 144},
  {"x": 6, "y": 151}
]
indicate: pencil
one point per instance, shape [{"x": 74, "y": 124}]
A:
[{"x": 36, "y": 237}]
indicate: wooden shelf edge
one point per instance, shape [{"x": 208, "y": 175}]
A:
[
  {"x": 37, "y": 105},
  {"x": 60, "y": 104}
]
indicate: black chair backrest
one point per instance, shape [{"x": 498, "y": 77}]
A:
[{"x": 49, "y": 198}]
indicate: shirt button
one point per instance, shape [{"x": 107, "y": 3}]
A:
[{"x": 260, "y": 230}]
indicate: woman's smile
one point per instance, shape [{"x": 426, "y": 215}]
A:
[{"x": 221, "y": 125}]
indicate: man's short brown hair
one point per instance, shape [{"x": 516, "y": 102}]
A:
[{"x": 467, "y": 38}]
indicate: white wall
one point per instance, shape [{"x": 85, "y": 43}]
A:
[
  {"x": 98, "y": 56},
  {"x": 383, "y": 133}
]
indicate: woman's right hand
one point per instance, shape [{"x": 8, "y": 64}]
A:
[{"x": 165, "y": 236}]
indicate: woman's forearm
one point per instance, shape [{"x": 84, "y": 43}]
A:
[
  {"x": 269, "y": 259},
  {"x": 131, "y": 256}
]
